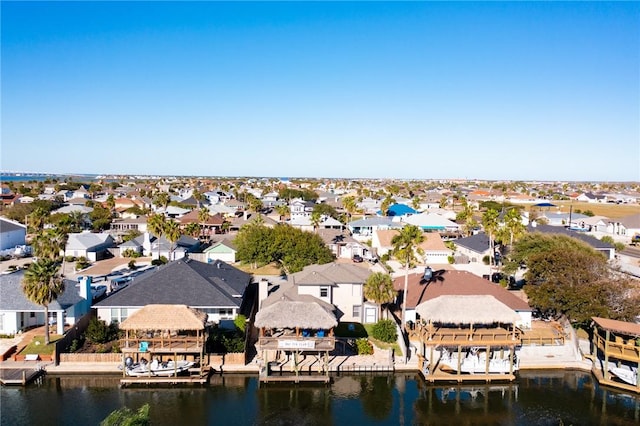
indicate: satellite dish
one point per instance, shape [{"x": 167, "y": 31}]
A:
[{"x": 428, "y": 274}]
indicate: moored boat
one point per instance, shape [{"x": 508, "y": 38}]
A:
[{"x": 155, "y": 368}]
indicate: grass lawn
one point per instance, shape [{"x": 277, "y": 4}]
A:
[
  {"x": 37, "y": 346},
  {"x": 270, "y": 269},
  {"x": 599, "y": 209}
]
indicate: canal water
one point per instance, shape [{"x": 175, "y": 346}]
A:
[{"x": 537, "y": 398}]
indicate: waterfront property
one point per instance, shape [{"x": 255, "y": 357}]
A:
[
  {"x": 162, "y": 333},
  {"x": 217, "y": 289},
  {"x": 467, "y": 338},
  {"x": 616, "y": 350},
  {"x": 17, "y": 313},
  {"x": 292, "y": 326}
]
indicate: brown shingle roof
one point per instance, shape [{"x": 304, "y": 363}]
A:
[
  {"x": 432, "y": 240},
  {"x": 621, "y": 327},
  {"x": 461, "y": 283}
]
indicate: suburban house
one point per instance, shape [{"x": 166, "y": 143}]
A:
[
  {"x": 148, "y": 244},
  {"x": 211, "y": 226},
  {"x": 343, "y": 245},
  {"x": 432, "y": 222},
  {"x": 304, "y": 223},
  {"x": 398, "y": 210},
  {"x": 92, "y": 246},
  {"x": 563, "y": 219},
  {"x": 474, "y": 247},
  {"x": 628, "y": 226},
  {"x": 17, "y": 313},
  {"x": 301, "y": 208},
  {"x": 339, "y": 284},
  {"x": 607, "y": 249},
  {"x": 446, "y": 282},
  {"x": 223, "y": 250},
  {"x": 12, "y": 234},
  {"x": 435, "y": 252},
  {"x": 217, "y": 289},
  {"x": 122, "y": 226},
  {"x": 363, "y": 229}
]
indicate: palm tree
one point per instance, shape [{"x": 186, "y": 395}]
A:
[
  {"x": 156, "y": 225},
  {"x": 405, "y": 246},
  {"x": 490, "y": 224},
  {"x": 316, "y": 218},
  {"x": 513, "y": 224},
  {"x": 172, "y": 232},
  {"x": 192, "y": 229},
  {"x": 42, "y": 285},
  {"x": 350, "y": 206},
  {"x": 283, "y": 211},
  {"x": 386, "y": 203},
  {"x": 379, "y": 289},
  {"x": 203, "y": 217},
  {"x": 162, "y": 199},
  {"x": 50, "y": 243}
]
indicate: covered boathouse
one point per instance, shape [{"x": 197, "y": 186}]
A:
[
  {"x": 466, "y": 338},
  {"x": 616, "y": 350},
  {"x": 293, "y": 326},
  {"x": 163, "y": 332}
]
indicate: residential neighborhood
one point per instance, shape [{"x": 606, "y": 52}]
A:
[{"x": 248, "y": 250}]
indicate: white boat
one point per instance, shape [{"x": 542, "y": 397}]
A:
[
  {"x": 475, "y": 362},
  {"x": 155, "y": 368},
  {"x": 626, "y": 374}
]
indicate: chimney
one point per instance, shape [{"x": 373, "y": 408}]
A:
[
  {"x": 263, "y": 291},
  {"x": 146, "y": 244},
  {"x": 85, "y": 292}
]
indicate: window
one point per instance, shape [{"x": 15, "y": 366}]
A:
[
  {"x": 324, "y": 291},
  {"x": 356, "y": 311}
]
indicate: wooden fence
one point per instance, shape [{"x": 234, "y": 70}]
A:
[
  {"x": 72, "y": 334},
  {"x": 104, "y": 357}
]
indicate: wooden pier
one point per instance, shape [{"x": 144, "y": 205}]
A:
[
  {"x": 19, "y": 376},
  {"x": 295, "y": 379}
]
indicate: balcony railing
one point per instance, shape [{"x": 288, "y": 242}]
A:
[
  {"x": 296, "y": 343},
  {"x": 167, "y": 345}
]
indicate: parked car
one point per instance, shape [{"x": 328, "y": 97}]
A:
[{"x": 357, "y": 258}]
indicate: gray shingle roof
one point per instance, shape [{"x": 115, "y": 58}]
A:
[
  {"x": 13, "y": 299},
  {"x": 478, "y": 243},
  {"x": 549, "y": 229},
  {"x": 8, "y": 226},
  {"x": 190, "y": 283}
]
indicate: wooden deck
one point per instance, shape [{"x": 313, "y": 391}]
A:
[
  {"x": 295, "y": 379},
  {"x": 442, "y": 376},
  {"x": 442, "y": 336},
  {"x": 19, "y": 376},
  {"x": 163, "y": 346}
]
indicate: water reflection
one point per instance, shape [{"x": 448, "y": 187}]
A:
[{"x": 542, "y": 397}]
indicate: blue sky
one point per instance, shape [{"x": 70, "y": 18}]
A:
[{"x": 489, "y": 90}]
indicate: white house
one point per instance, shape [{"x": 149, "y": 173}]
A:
[
  {"x": 337, "y": 283},
  {"x": 11, "y": 234},
  {"x": 89, "y": 245},
  {"x": 18, "y": 313}
]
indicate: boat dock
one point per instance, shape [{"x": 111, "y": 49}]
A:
[
  {"x": 19, "y": 376},
  {"x": 295, "y": 379},
  {"x": 155, "y": 380}
]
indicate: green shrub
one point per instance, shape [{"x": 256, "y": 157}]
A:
[
  {"x": 451, "y": 260},
  {"x": 70, "y": 259},
  {"x": 130, "y": 253},
  {"x": 99, "y": 332},
  {"x": 240, "y": 322},
  {"x": 125, "y": 416},
  {"x": 75, "y": 345},
  {"x": 132, "y": 265},
  {"x": 158, "y": 262},
  {"x": 82, "y": 263},
  {"x": 485, "y": 260},
  {"x": 364, "y": 347},
  {"x": 385, "y": 331}
]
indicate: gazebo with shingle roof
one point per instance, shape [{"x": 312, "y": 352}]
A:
[{"x": 163, "y": 330}]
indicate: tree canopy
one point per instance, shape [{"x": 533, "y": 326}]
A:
[
  {"x": 566, "y": 276},
  {"x": 290, "y": 247},
  {"x": 42, "y": 285}
]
